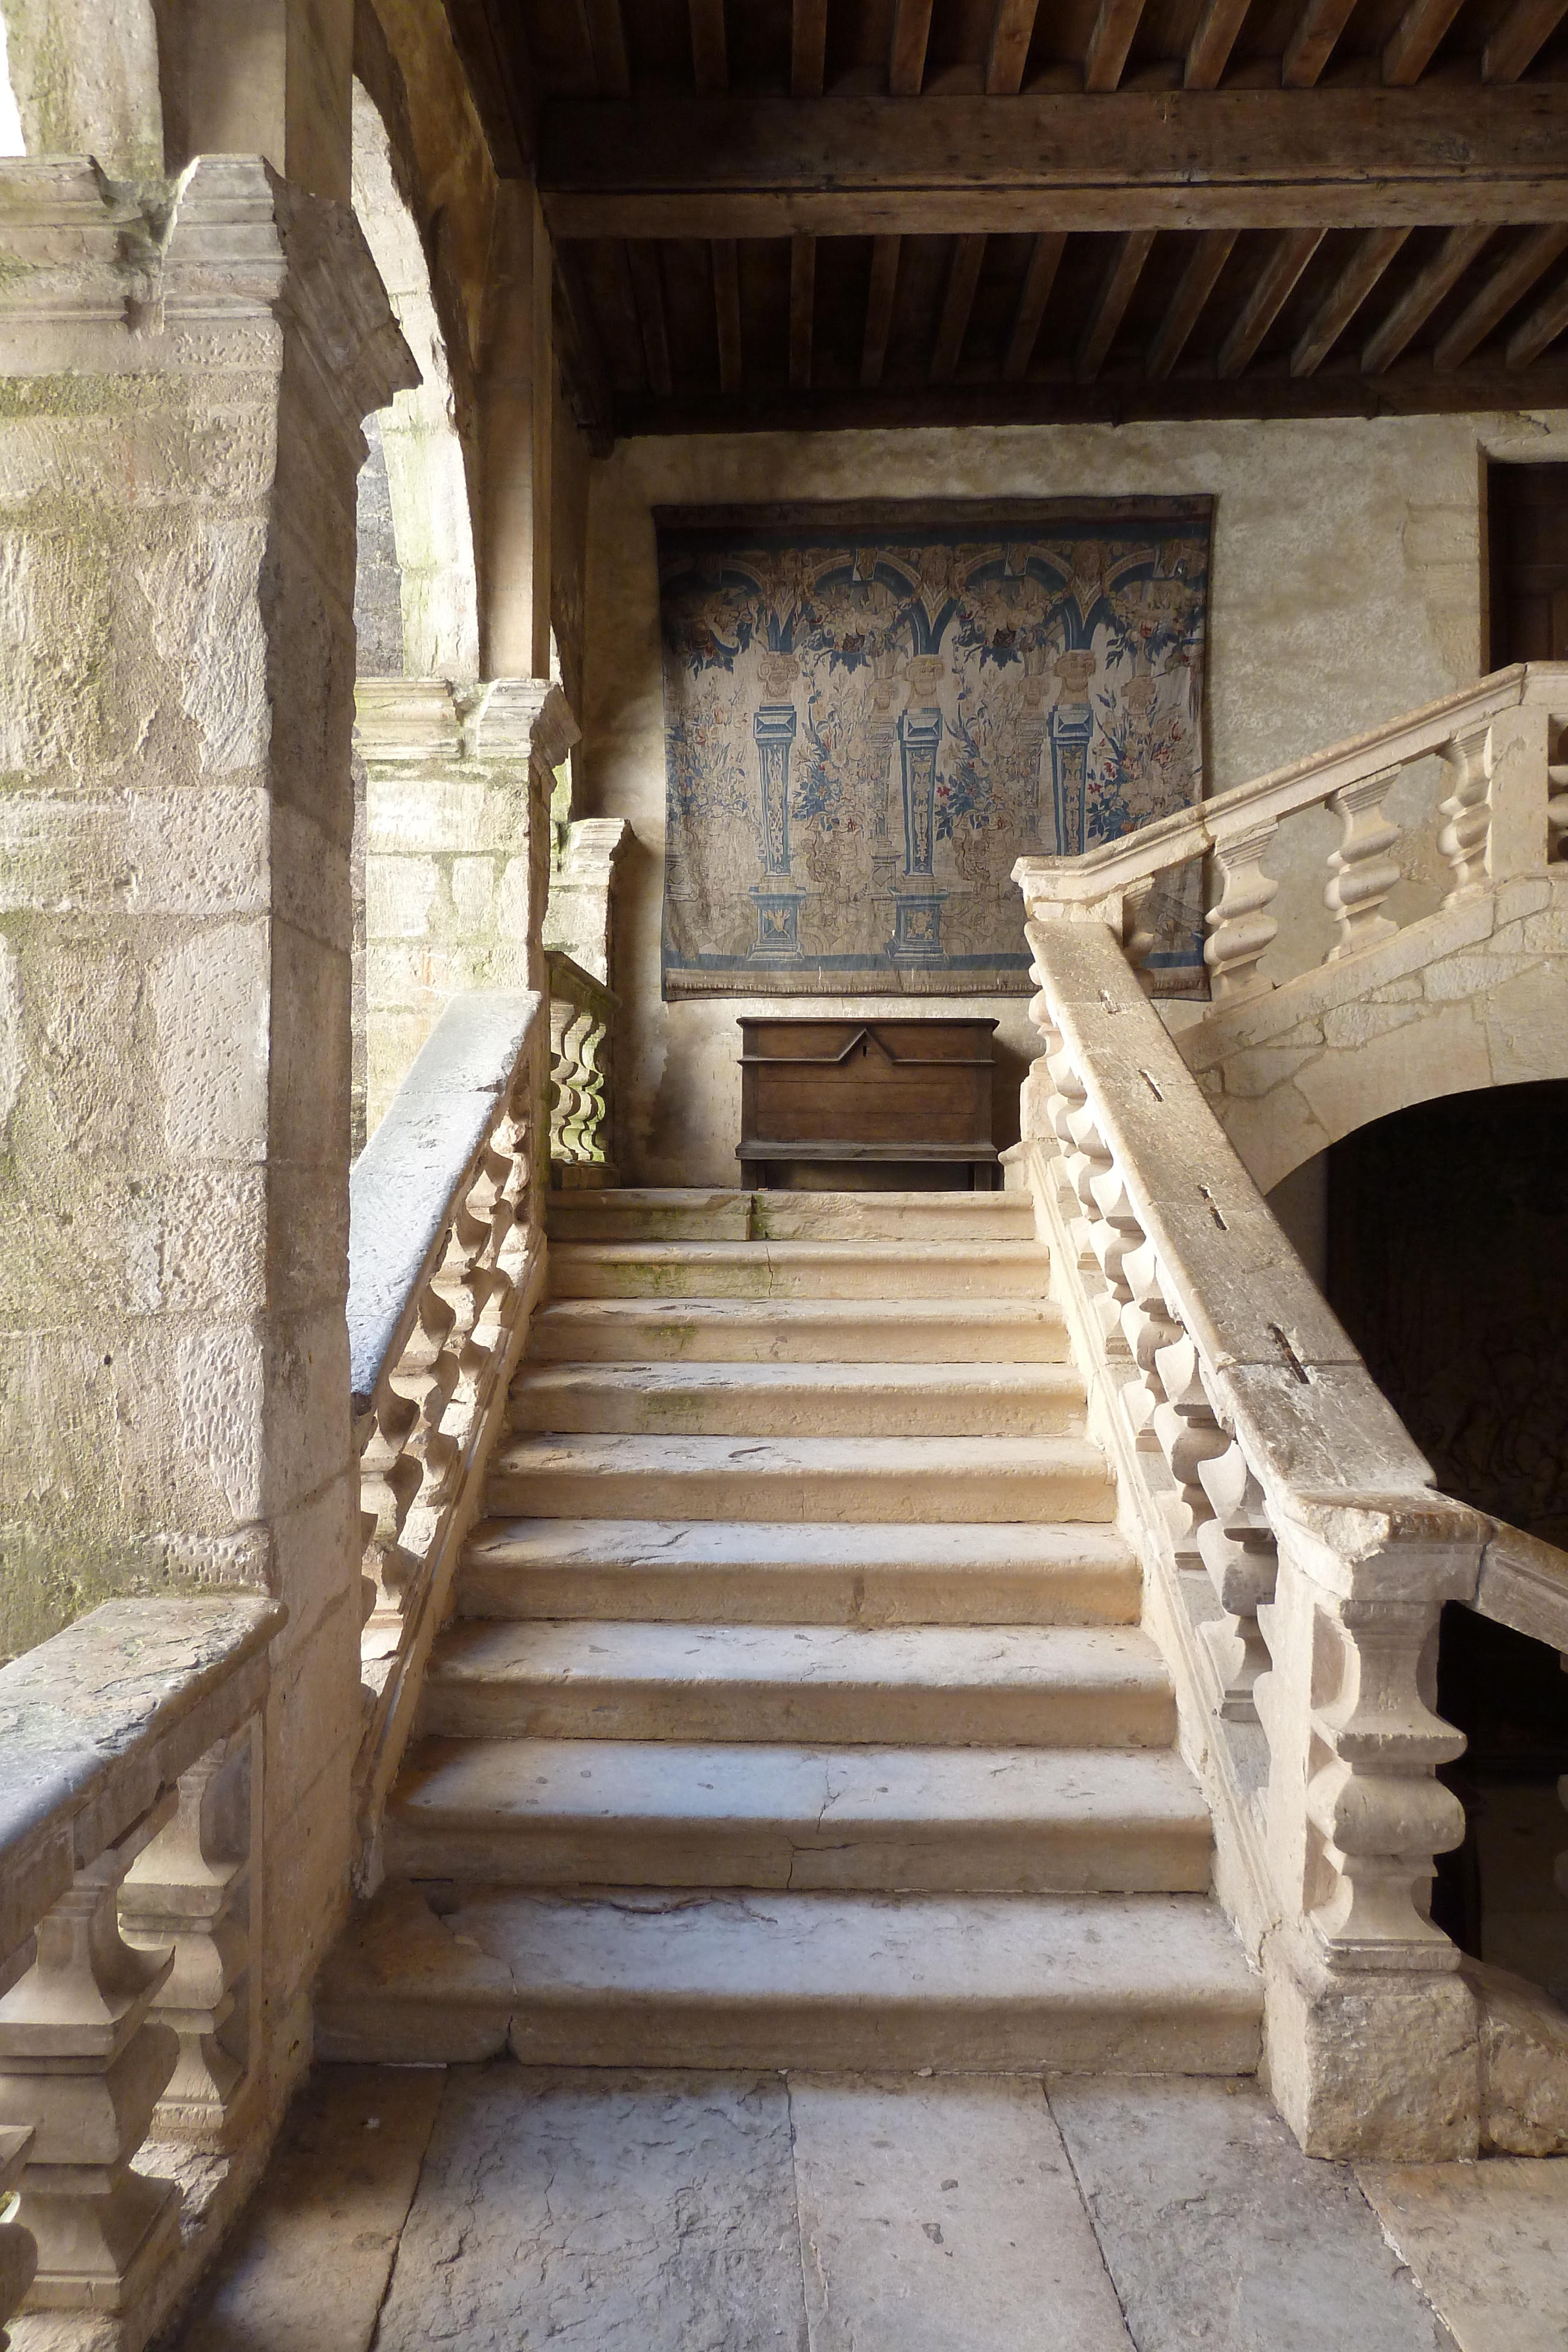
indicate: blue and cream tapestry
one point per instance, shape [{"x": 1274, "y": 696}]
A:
[{"x": 870, "y": 713}]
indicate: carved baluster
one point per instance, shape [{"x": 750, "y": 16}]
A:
[
  {"x": 193, "y": 1886},
  {"x": 1140, "y": 932},
  {"x": 1115, "y": 1235},
  {"x": 426, "y": 1375},
  {"x": 1361, "y": 872},
  {"x": 1238, "y": 1548},
  {"x": 1240, "y": 927},
  {"x": 81, "y": 2063},
  {"x": 1380, "y": 1813},
  {"x": 1557, "y": 816},
  {"x": 1188, "y": 1436},
  {"x": 390, "y": 1478},
  {"x": 18, "y": 2256},
  {"x": 1086, "y": 1162},
  {"x": 1466, "y": 814},
  {"x": 1148, "y": 1326}
]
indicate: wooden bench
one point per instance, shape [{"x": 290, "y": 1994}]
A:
[{"x": 867, "y": 1092}]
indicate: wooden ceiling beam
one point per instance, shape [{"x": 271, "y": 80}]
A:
[
  {"x": 1507, "y": 285},
  {"x": 648, "y": 293},
  {"x": 1116, "y": 291},
  {"x": 607, "y": 33},
  {"x": 1208, "y": 53},
  {"x": 1193, "y": 289},
  {"x": 1544, "y": 326},
  {"x": 1312, "y": 44},
  {"x": 710, "y": 55},
  {"x": 807, "y": 49},
  {"x": 907, "y": 56},
  {"x": 963, "y": 275},
  {"x": 585, "y": 370},
  {"x": 1333, "y": 158},
  {"x": 726, "y": 312},
  {"x": 1413, "y": 41},
  {"x": 1421, "y": 298},
  {"x": 1012, "y": 29},
  {"x": 803, "y": 306},
  {"x": 883, "y": 286},
  {"x": 1275, "y": 284},
  {"x": 1528, "y": 25},
  {"x": 1044, "y": 261},
  {"x": 1344, "y": 298},
  {"x": 1112, "y": 37}
]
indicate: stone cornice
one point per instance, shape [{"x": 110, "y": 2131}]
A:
[{"x": 430, "y": 718}]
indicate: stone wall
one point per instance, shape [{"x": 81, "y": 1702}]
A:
[{"x": 1347, "y": 586}]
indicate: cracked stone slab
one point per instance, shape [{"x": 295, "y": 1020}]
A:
[
  {"x": 1219, "y": 2231},
  {"x": 622, "y": 2212},
  {"x": 307, "y": 2266},
  {"x": 942, "y": 2216},
  {"x": 1488, "y": 2243}
]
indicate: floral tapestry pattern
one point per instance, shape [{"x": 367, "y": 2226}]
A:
[{"x": 870, "y": 713}]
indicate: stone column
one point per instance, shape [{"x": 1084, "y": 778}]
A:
[
  {"x": 188, "y": 367},
  {"x": 458, "y": 781},
  {"x": 516, "y": 415}
]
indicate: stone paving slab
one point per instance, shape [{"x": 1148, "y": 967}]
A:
[
  {"x": 1488, "y": 2243},
  {"x": 1219, "y": 2233},
  {"x": 943, "y": 2216}
]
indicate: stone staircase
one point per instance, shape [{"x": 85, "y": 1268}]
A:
[{"x": 796, "y": 1711}]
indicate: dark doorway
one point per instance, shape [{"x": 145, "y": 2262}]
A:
[
  {"x": 1448, "y": 1263},
  {"x": 1527, "y": 529}
]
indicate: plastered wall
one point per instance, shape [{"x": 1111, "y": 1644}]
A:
[{"x": 1347, "y": 586}]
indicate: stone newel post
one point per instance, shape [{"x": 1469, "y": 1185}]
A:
[{"x": 188, "y": 367}]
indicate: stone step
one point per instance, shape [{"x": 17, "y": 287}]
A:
[
  {"x": 800, "y": 1331},
  {"x": 798, "y": 1270},
  {"x": 801, "y": 1399},
  {"x": 692, "y": 1214},
  {"x": 938, "y": 1686},
  {"x": 718, "y": 1572},
  {"x": 571, "y": 1813},
  {"x": 1120, "y": 1983},
  {"x": 832, "y": 1478}
]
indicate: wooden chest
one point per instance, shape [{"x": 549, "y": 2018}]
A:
[{"x": 865, "y": 1091}]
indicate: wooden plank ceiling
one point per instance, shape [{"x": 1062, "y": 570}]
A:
[{"x": 808, "y": 213}]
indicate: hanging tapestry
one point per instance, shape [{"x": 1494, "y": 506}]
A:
[{"x": 871, "y": 711}]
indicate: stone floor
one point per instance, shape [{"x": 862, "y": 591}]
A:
[{"x": 500, "y": 2208}]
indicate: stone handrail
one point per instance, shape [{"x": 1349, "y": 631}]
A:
[
  {"x": 583, "y": 1015},
  {"x": 131, "y": 1920},
  {"x": 1506, "y": 812},
  {"x": 446, "y": 1255},
  {"x": 1296, "y": 1559},
  {"x": 1523, "y": 1583}
]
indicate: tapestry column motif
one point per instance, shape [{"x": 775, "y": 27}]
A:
[
  {"x": 1071, "y": 732},
  {"x": 777, "y": 901},
  {"x": 917, "y": 912}
]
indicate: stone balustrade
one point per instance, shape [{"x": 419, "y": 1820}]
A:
[
  {"x": 445, "y": 1256},
  {"x": 582, "y": 1012},
  {"x": 131, "y": 2024},
  {"x": 1296, "y": 1560},
  {"x": 1504, "y": 811}
]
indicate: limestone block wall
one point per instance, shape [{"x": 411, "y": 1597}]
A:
[{"x": 1347, "y": 586}]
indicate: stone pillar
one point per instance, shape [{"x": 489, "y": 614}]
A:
[
  {"x": 579, "y": 918},
  {"x": 458, "y": 783},
  {"x": 179, "y": 438},
  {"x": 516, "y": 415}
]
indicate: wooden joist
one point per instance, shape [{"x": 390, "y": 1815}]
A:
[
  {"x": 1275, "y": 284},
  {"x": 608, "y": 35},
  {"x": 1007, "y": 50},
  {"x": 1527, "y": 26},
  {"x": 1044, "y": 261},
  {"x": 863, "y": 165},
  {"x": 1344, "y": 298},
  {"x": 963, "y": 275},
  {"x": 726, "y": 312},
  {"x": 803, "y": 306},
  {"x": 1312, "y": 44},
  {"x": 1421, "y": 298},
  {"x": 1544, "y": 326},
  {"x": 879, "y": 308},
  {"x": 807, "y": 49},
  {"x": 585, "y": 370},
  {"x": 1117, "y": 287},
  {"x": 1507, "y": 285},
  {"x": 648, "y": 293},
  {"x": 1109, "y": 42},
  {"x": 1193, "y": 289},
  {"x": 710, "y": 55},
  {"x": 906, "y": 57},
  {"x": 1411, "y": 45},
  {"x": 1208, "y": 53}
]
